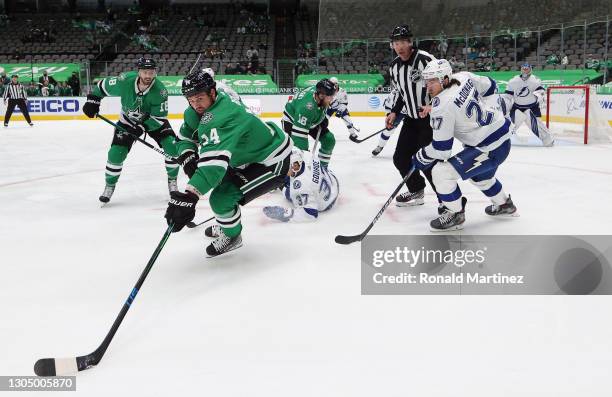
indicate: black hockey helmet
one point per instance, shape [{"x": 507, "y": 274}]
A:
[
  {"x": 146, "y": 63},
  {"x": 197, "y": 82},
  {"x": 402, "y": 32},
  {"x": 326, "y": 87}
]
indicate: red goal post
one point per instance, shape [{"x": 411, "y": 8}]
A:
[{"x": 587, "y": 91}]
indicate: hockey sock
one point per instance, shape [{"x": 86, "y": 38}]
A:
[{"x": 114, "y": 165}]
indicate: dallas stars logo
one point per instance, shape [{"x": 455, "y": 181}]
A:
[
  {"x": 309, "y": 106},
  {"x": 206, "y": 118}
]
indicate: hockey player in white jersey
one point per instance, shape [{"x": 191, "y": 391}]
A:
[
  {"x": 527, "y": 94},
  {"x": 339, "y": 105},
  {"x": 458, "y": 111},
  {"x": 312, "y": 189},
  {"x": 386, "y": 134}
]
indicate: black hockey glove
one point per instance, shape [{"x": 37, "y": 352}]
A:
[
  {"x": 92, "y": 106},
  {"x": 189, "y": 161},
  {"x": 181, "y": 209},
  {"x": 133, "y": 130}
]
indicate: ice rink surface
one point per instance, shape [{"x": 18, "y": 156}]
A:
[{"x": 283, "y": 315}]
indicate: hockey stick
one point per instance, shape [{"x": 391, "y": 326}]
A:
[
  {"x": 351, "y": 239},
  {"x": 192, "y": 224},
  {"x": 357, "y": 140},
  {"x": 195, "y": 64},
  {"x": 136, "y": 137},
  {"x": 72, "y": 365}
]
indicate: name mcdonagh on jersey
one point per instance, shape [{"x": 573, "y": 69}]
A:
[{"x": 453, "y": 278}]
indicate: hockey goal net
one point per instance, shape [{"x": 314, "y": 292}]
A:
[{"x": 573, "y": 112}]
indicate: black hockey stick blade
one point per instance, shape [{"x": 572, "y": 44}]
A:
[
  {"x": 65, "y": 366},
  {"x": 192, "y": 224},
  {"x": 345, "y": 240},
  {"x": 357, "y": 140}
]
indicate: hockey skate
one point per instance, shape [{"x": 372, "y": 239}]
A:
[
  {"x": 172, "y": 185},
  {"x": 505, "y": 210},
  {"x": 107, "y": 194},
  {"x": 449, "y": 220},
  {"x": 377, "y": 150},
  {"x": 410, "y": 199},
  {"x": 212, "y": 231},
  {"x": 223, "y": 244}
]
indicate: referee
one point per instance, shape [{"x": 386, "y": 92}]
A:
[
  {"x": 416, "y": 132},
  {"x": 16, "y": 95}
]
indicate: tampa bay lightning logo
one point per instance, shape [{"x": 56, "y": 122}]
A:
[
  {"x": 297, "y": 184},
  {"x": 415, "y": 75},
  {"x": 524, "y": 92},
  {"x": 435, "y": 102}
]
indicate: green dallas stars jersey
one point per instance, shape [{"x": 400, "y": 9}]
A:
[
  {"x": 303, "y": 112},
  {"x": 229, "y": 136},
  {"x": 149, "y": 108}
]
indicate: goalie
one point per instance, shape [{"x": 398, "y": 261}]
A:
[{"x": 527, "y": 93}]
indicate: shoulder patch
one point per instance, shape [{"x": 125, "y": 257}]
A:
[
  {"x": 435, "y": 102},
  {"x": 206, "y": 118},
  {"x": 163, "y": 93},
  {"x": 122, "y": 76},
  {"x": 297, "y": 184},
  {"x": 309, "y": 106}
]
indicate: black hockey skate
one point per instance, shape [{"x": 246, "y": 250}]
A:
[
  {"x": 449, "y": 220},
  {"x": 107, "y": 194},
  {"x": 223, "y": 244},
  {"x": 377, "y": 150},
  {"x": 212, "y": 231},
  {"x": 410, "y": 199},
  {"x": 507, "y": 209}
]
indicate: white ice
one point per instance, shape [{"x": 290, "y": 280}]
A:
[{"x": 282, "y": 316}]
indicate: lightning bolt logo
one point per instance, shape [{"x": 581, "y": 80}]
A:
[{"x": 478, "y": 161}]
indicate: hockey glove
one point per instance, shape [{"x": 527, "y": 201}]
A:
[
  {"x": 92, "y": 106},
  {"x": 181, "y": 209},
  {"x": 189, "y": 161},
  {"x": 134, "y": 131},
  {"x": 422, "y": 161},
  {"x": 279, "y": 213}
]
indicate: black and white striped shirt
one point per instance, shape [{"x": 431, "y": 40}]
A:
[
  {"x": 15, "y": 91},
  {"x": 406, "y": 77}
]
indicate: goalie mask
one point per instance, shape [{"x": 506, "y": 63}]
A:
[{"x": 525, "y": 71}]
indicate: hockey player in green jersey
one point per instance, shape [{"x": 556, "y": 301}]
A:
[
  {"x": 305, "y": 115},
  {"x": 144, "y": 110},
  {"x": 229, "y": 151}
]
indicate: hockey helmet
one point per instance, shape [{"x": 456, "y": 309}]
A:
[
  {"x": 326, "y": 87},
  {"x": 334, "y": 80},
  {"x": 146, "y": 63},
  {"x": 525, "y": 71},
  {"x": 197, "y": 82},
  {"x": 402, "y": 32},
  {"x": 209, "y": 72},
  {"x": 297, "y": 156},
  {"x": 437, "y": 70}
]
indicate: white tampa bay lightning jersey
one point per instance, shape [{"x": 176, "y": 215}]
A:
[
  {"x": 525, "y": 93},
  {"x": 339, "y": 105},
  {"x": 228, "y": 90},
  {"x": 313, "y": 189},
  {"x": 460, "y": 112}
]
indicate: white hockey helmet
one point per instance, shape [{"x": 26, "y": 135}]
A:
[
  {"x": 209, "y": 72},
  {"x": 526, "y": 71},
  {"x": 438, "y": 69},
  {"x": 297, "y": 156}
]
